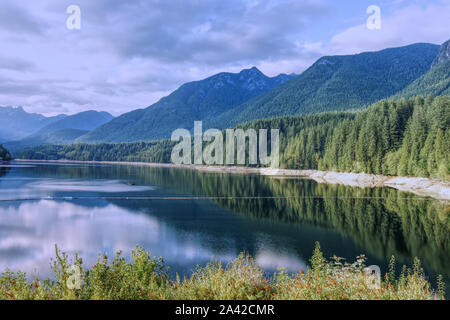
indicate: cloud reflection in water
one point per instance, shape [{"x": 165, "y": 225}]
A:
[{"x": 29, "y": 231}]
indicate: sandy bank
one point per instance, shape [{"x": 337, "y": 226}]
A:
[{"x": 421, "y": 186}]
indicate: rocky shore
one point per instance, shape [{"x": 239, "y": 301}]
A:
[{"x": 420, "y": 186}]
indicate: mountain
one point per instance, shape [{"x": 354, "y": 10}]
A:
[
  {"x": 60, "y": 137},
  {"x": 444, "y": 53},
  {"x": 198, "y": 100},
  {"x": 436, "y": 81},
  {"x": 87, "y": 120},
  {"x": 16, "y": 123},
  {"x": 63, "y": 131},
  {"x": 338, "y": 83},
  {"x": 395, "y": 137}
]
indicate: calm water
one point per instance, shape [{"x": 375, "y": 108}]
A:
[{"x": 83, "y": 209}]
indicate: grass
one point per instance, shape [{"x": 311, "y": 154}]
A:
[{"x": 147, "y": 278}]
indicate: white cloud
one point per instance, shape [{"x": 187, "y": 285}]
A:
[
  {"x": 426, "y": 22},
  {"x": 127, "y": 55}
]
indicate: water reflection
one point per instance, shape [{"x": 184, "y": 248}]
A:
[
  {"x": 29, "y": 230},
  {"x": 277, "y": 232}
]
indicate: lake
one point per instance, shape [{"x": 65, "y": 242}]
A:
[{"x": 189, "y": 217}]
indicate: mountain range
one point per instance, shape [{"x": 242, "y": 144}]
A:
[
  {"x": 332, "y": 83},
  {"x": 62, "y": 129},
  {"x": 337, "y": 83},
  {"x": 198, "y": 100},
  {"x": 16, "y": 123}
]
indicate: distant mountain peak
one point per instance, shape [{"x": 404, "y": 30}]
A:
[
  {"x": 198, "y": 100},
  {"x": 252, "y": 71},
  {"x": 13, "y": 108},
  {"x": 336, "y": 83},
  {"x": 16, "y": 123},
  {"x": 443, "y": 55},
  {"x": 253, "y": 79},
  {"x": 62, "y": 130}
]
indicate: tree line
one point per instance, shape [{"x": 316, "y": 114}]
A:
[
  {"x": 4, "y": 154},
  {"x": 395, "y": 137}
]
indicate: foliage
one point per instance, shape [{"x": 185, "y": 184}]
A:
[
  {"x": 146, "y": 278},
  {"x": 160, "y": 151},
  {"x": 396, "y": 137},
  {"x": 138, "y": 152},
  {"x": 435, "y": 82}
]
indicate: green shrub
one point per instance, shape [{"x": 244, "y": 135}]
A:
[{"x": 147, "y": 278}]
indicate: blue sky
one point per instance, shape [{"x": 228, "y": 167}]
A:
[{"x": 128, "y": 54}]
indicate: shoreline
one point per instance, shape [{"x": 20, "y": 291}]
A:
[{"x": 424, "y": 187}]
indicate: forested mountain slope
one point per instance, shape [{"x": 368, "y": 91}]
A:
[
  {"x": 338, "y": 83},
  {"x": 86, "y": 120},
  {"x": 199, "y": 100},
  {"x": 63, "y": 131},
  {"x": 396, "y": 137},
  {"x": 65, "y": 136},
  {"x": 436, "y": 81}
]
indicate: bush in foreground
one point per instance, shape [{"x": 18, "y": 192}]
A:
[{"x": 146, "y": 278}]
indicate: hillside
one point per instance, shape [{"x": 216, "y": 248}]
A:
[
  {"x": 65, "y": 136},
  {"x": 16, "y": 123},
  {"x": 444, "y": 53},
  {"x": 199, "y": 100},
  {"x": 436, "y": 81},
  {"x": 87, "y": 120},
  {"x": 338, "y": 83},
  {"x": 396, "y": 137},
  {"x": 63, "y": 131}
]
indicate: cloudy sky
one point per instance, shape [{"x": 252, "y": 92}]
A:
[{"x": 128, "y": 54}]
